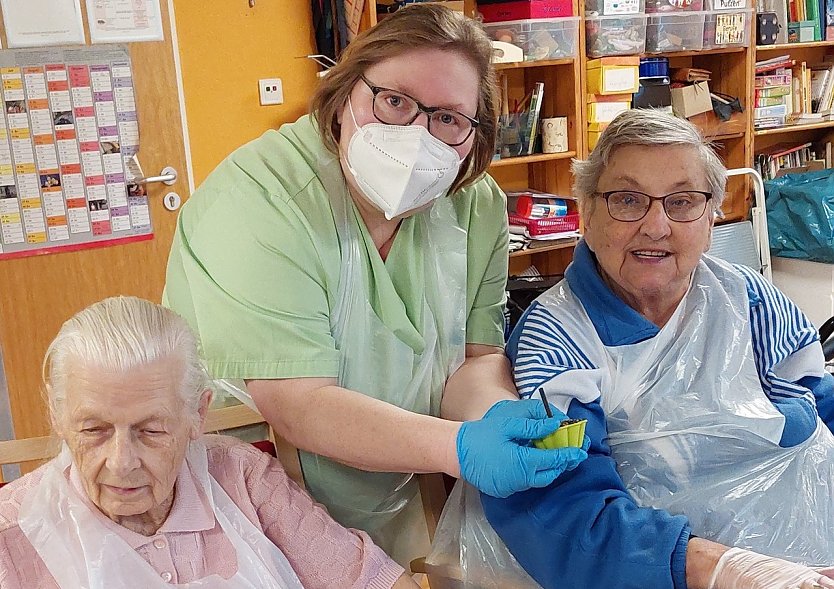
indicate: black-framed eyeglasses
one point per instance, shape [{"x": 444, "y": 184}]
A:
[
  {"x": 395, "y": 108},
  {"x": 684, "y": 206}
]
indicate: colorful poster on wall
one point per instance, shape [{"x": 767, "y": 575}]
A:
[
  {"x": 35, "y": 23},
  {"x": 124, "y": 21},
  {"x": 68, "y": 140}
]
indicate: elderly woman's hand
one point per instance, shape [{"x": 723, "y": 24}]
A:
[
  {"x": 495, "y": 455},
  {"x": 743, "y": 569}
]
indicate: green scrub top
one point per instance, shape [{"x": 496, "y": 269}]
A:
[{"x": 255, "y": 263}]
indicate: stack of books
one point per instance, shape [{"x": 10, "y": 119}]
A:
[
  {"x": 774, "y": 92},
  {"x": 788, "y": 93},
  {"x": 542, "y": 218},
  {"x": 819, "y": 92},
  {"x": 784, "y": 156}
]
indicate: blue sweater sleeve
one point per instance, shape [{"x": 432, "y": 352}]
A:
[
  {"x": 823, "y": 389},
  {"x": 585, "y": 530},
  {"x": 779, "y": 331}
]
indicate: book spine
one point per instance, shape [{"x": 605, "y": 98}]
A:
[
  {"x": 773, "y": 67},
  {"x": 770, "y": 111},
  {"x": 769, "y": 101},
  {"x": 769, "y": 81},
  {"x": 773, "y": 91},
  {"x": 535, "y": 109}
]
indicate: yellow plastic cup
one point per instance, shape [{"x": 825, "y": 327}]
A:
[{"x": 570, "y": 434}]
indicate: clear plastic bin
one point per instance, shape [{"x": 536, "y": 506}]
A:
[
  {"x": 727, "y": 29},
  {"x": 615, "y": 35},
  {"x": 675, "y": 32},
  {"x": 664, "y": 6},
  {"x": 614, "y": 7},
  {"x": 542, "y": 38}
]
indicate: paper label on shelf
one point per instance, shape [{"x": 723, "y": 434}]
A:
[
  {"x": 605, "y": 112},
  {"x": 729, "y": 4},
  {"x": 619, "y": 79},
  {"x": 621, "y": 7},
  {"x": 729, "y": 28}
]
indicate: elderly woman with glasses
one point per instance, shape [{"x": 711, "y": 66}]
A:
[
  {"x": 350, "y": 268},
  {"x": 711, "y": 462},
  {"x": 139, "y": 498}
]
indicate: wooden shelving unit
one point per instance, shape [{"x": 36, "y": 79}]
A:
[
  {"x": 536, "y": 64},
  {"x": 532, "y": 159},
  {"x": 543, "y": 249},
  {"x": 793, "y": 46},
  {"x": 794, "y": 128}
]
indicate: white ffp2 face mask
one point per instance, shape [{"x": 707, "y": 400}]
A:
[{"x": 400, "y": 168}]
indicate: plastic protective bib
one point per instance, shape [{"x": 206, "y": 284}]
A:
[
  {"x": 693, "y": 433},
  {"x": 376, "y": 363},
  {"x": 82, "y": 553}
]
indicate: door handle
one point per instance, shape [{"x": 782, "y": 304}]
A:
[{"x": 168, "y": 176}]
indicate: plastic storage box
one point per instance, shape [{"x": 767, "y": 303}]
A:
[
  {"x": 520, "y": 9},
  {"x": 543, "y": 38},
  {"x": 727, "y": 29},
  {"x": 615, "y": 35},
  {"x": 675, "y": 32},
  {"x": 663, "y": 6},
  {"x": 614, "y": 7}
]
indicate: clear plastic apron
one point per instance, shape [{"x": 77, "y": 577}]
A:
[
  {"x": 373, "y": 361},
  {"x": 82, "y": 553},
  {"x": 693, "y": 433}
]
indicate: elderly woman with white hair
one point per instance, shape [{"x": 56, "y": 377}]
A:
[
  {"x": 139, "y": 498},
  {"x": 709, "y": 411}
]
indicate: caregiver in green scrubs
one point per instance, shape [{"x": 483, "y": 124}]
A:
[{"x": 351, "y": 268}]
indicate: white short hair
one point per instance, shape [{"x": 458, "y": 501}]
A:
[
  {"x": 650, "y": 127},
  {"x": 120, "y": 333}
]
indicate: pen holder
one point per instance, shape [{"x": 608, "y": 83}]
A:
[{"x": 570, "y": 434}]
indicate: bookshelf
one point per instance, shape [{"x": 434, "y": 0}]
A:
[{"x": 809, "y": 131}]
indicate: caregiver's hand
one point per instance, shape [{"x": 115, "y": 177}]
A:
[{"x": 495, "y": 453}]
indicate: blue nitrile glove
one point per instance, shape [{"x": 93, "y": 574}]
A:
[{"x": 495, "y": 453}]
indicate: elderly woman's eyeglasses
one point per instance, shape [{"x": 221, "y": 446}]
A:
[
  {"x": 631, "y": 205},
  {"x": 395, "y": 108}
]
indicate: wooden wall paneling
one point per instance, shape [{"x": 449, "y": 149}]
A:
[{"x": 39, "y": 293}]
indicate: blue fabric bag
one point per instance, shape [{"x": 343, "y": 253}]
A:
[{"x": 800, "y": 215}]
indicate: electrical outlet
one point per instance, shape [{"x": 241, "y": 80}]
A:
[{"x": 271, "y": 91}]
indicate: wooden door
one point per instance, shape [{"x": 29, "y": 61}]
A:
[{"x": 37, "y": 294}]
